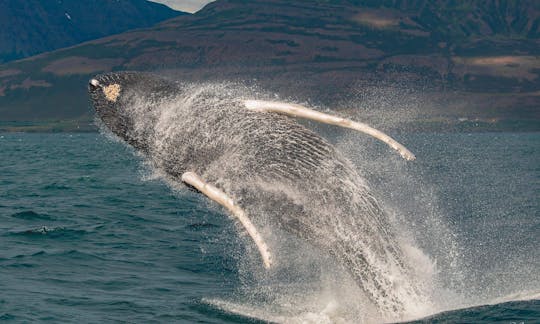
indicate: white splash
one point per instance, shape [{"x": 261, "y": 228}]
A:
[{"x": 307, "y": 285}]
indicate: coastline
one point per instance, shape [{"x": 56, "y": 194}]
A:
[{"x": 420, "y": 126}]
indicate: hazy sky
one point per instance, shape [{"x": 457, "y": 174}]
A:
[{"x": 184, "y": 5}]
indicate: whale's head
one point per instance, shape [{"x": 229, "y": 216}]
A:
[{"x": 124, "y": 102}]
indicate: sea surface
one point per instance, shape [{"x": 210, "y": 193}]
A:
[{"x": 89, "y": 234}]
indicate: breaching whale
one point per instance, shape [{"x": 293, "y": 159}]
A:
[{"x": 256, "y": 161}]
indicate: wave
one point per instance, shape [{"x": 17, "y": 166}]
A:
[
  {"x": 519, "y": 296},
  {"x": 32, "y": 215},
  {"x": 56, "y": 186},
  {"x": 50, "y": 232},
  {"x": 71, "y": 254},
  {"x": 328, "y": 314},
  {"x": 514, "y": 308},
  {"x": 332, "y": 312}
]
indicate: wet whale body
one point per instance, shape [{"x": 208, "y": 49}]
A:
[{"x": 266, "y": 169}]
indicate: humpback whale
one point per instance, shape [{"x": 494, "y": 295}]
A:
[{"x": 255, "y": 160}]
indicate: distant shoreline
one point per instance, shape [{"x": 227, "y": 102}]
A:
[
  {"x": 48, "y": 126},
  {"x": 444, "y": 126}
]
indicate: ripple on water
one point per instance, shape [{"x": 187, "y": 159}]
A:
[
  {"x": 50, "y": 232},
  {"x": 510, "y": 312},
  {"x": 7, "y": 317},
  {"x": 68, "y": 254},
  {"x": 56, "y": 186},
  {"x": 200, "y": 226},
  {"x": 74, "y": 255},
  {"x": 32, "y": 215}
]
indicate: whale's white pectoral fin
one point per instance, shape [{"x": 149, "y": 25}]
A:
[
  {"x": 221, "y": 198},
  {"x": 295, "y": 110}
]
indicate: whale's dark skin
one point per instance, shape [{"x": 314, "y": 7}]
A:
[{"x": 278, "y": 171}]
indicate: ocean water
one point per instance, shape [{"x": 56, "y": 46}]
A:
[{"x": 89, "y": 234}]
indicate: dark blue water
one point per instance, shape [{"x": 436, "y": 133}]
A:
[{"x": 86, "y": 235}]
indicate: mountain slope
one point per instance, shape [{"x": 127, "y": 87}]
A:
[
  {"x": 474, "y": 60},
  {"x": 30, "y": 27}
]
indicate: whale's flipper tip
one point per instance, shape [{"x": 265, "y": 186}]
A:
[{"x": 212, "y": 192}]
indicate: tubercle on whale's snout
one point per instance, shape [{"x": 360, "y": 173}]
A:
[
  {"x": 93, "y": 83},
  {"x": 108, "y": 85}
]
